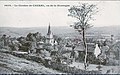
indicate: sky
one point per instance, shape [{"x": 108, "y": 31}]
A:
[{"x": 14, "y": 14}]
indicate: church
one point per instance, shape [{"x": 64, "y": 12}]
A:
[{"x": 49, "y": 37}]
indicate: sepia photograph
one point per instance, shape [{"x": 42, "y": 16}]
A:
[{"x": 59, "y": 37}]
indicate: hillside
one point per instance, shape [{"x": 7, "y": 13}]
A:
[
  {"x": 62, "y": 30},
  {"x": 11, "y": 64}
]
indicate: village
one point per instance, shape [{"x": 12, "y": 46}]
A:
[{"x": 66, "y": 51}]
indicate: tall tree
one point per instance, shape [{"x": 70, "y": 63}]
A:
[{"x": 84, "y": 14}]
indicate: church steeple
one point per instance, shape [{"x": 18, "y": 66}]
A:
[
  {"x": 49, "y": 38},
  {"x": 49, "y": 30}
]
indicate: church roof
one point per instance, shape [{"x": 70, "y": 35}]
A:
[{"x": 49, "y": 30}]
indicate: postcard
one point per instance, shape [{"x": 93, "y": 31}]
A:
[{"x": 59, "y": 37}]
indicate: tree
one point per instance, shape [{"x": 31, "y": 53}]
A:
[{"x": 84, "y": 15}]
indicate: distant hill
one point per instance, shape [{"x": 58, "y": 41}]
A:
[
  {"x": 61, "y": 31},
  {"x": 107, "y": 29},
  {"x": 16, "y": 32}
]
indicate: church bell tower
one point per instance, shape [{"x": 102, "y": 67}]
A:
[{"x": 49, "y": 38}]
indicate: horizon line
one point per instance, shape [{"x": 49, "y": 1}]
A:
[{"x": 51, "y": 26}]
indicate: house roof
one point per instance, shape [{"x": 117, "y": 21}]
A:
[{"x": 91, "y": 48}]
